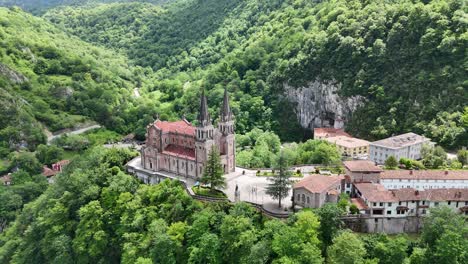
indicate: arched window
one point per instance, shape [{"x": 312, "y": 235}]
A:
[
  {"x": 303, "y": 198},
  {"x": 308, "y": 199}
]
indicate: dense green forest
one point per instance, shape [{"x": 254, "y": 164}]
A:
[
  {"x": 95, "y": 213},
  {"x": 41, "y": 6},
  {"x": 406, "y": 58}
]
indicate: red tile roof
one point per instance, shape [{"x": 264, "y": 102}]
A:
[
  {"x": 48, "y": 172},
  {"x": 360, "y": 204},
  {"x": 361, "y": 166},
  {"x": 181, "y": 127},
  {"x": 425, "y": 174},
  {"x": 62, "y": 162},
  {"x": 319, "y": 183},
  {"x": 179, "y": 151},
  {"x": 377, "y": 193},
  {"x": 329, "y": 132},
  {"x": 348, "y": 142},
  {"x": 5, "y": 178}
]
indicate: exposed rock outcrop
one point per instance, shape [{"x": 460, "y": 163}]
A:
[
  {"x": 12, "y": 75},
  {"x": 319, "y": 105}
]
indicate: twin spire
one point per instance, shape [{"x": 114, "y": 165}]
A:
[{"x": 204, "y": 115}]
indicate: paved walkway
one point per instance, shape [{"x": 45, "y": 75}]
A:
[{"x": 251, "y": 188}]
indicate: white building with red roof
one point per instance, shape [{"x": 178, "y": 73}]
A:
[
  {"x": 424, "y": 179},
  {"x": 181, "y": 148}
]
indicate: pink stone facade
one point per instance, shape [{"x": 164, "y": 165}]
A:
[{"x": 183, "y": 149}]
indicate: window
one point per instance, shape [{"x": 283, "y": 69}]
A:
[
  {"x": 449, "y": 202},
  {"x": 151, "y": 165},
  {"x": 436, "y": 203},
  {"x": 381, "y": 204},
  {"x": 389, "y": 212},
  {"x": 424, "y": 211},
  {"x": 308, "y": 199},
  {"x": 303, "y": 198},
  {"x": 389, "y": 204},
  {"x": 298, "y": 197},
  {"x": 399, "y": 203},
  {"x": 375, "y": 204}
]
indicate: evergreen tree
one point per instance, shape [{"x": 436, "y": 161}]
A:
[
  {"x": 391, "y": 163},
  {"x": 279, "y": 188},
  {"x": 213, "y": 173}
]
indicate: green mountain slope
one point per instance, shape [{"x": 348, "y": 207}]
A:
[
  {"x": 50, "y": 79},
  {"x": 407, "y": 60},
  {"x": 40, "y": 6}
]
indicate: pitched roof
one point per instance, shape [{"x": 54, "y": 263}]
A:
[
  {"x": 330, "y": 132},
  {"x": 402, "y": 140},
  {"x": 377, "y": 193},
  {"x": 179, "y": 151},
  {"x": 348, "y": 142},
  {"x": 5, "y": 178},
  {"x": 181, "y": 127},
  {"x": 48, "y": 172},
  {"x": 425, "y": 174},
  {"x": 319, "y": 183},
  {"x": 62, "y": 162},
  {"x": 360, "y": 204},
  {"x": 361, "y": 166}
]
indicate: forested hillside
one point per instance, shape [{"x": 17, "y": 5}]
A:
[
  {"x": 405, "y": 59},
  {"x": 40, "y": 6},
  {"x": 95, "y": 213},
  {"x": 51, "y": 80}
]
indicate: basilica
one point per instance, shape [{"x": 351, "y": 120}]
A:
[{"x": 181, "y": 148}]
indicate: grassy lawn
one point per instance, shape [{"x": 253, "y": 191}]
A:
[{"x": 203, "y": 191}]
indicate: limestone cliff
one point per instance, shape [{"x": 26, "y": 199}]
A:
[
  {"x": 13, "y": 76},
  {"x": 319, "y": 105}
]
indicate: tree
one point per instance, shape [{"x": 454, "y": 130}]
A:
[
  {"x": 393, "y": 250},
  {"x": 330, "y": 223},
  {"x": 444, "y": 232},
  {"x": 48, "y": 154},
  {"x": 27, "y": 162},
  {"x": 207, "y": 250},
  {"x": 347, "y": 248},
  {"x": 462, "y": 156},
  {"x": 280, "y": 183},
  {"x": 213, "y": 173},
  {"x": 391, "y": 163}
]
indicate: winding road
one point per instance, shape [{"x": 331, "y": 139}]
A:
[{"x": 73, "y": 132}]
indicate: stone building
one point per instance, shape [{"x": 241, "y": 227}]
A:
[
  {"x": 403, "y": 146},
  {"x": 350, "y": 146},
  {"x": 362, "y": 171},
  {"x": 183, "y": 149},
  {"x": 316, "y": 190}
]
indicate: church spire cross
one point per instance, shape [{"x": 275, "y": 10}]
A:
[
  {"x": 203, "y": 115},
  {"x": 226, "y": 114}
]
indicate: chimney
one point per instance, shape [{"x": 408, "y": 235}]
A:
[
  {"x": 411, "y": 172},
  {"x": 416, "y": 192},
  {"x": 446, "y": 172}
]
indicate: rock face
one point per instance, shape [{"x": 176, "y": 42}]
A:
[
  {"x": 319, "y": 105},
  {"x": 12, "y": 75}
]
